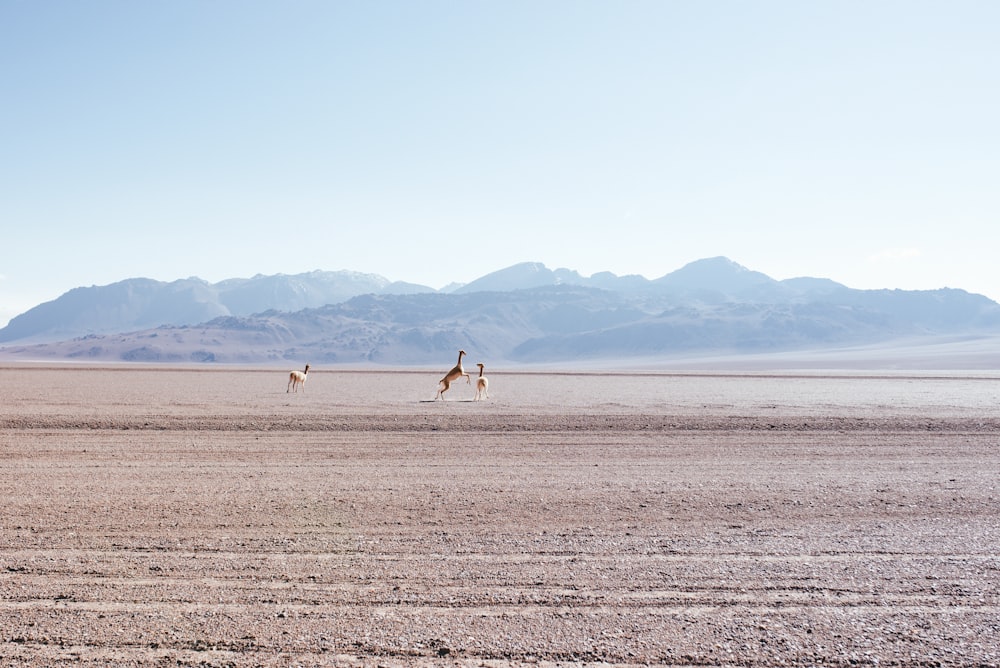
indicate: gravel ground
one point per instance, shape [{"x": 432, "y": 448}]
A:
[{"x": 183, "y": 517}]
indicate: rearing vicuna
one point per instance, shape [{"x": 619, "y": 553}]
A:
[{"x": 456, "y": 372}]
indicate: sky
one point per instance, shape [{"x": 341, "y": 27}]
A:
[{"x": 435, "y": 142}]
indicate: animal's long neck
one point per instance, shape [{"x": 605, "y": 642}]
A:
[
  {"x": 460, "y": 359},
  {"x": 480, "y": 371}
]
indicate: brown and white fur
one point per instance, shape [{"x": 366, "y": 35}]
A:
[
  {"x": 456, "y": 372},
  {"x": 297, "y": 378},
  {"x": 482, "y": 385}
]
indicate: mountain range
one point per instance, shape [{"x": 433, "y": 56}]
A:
[{"x": 525, "y": 313}]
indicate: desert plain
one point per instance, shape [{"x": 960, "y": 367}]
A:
[{"x": 204, "y": 516}]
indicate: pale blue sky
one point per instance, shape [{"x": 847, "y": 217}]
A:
[{"x": 438, "y": 141}]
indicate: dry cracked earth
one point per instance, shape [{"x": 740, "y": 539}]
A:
[{"x": 189, "y": 517}]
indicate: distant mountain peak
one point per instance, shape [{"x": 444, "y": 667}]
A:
[
  {"x": 720, "y": 263},
  {"x": 717, "y": 274},
  {"x": 515, "y": 277}
]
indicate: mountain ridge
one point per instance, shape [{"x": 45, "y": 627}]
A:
[{"x": 526, "y": 313}]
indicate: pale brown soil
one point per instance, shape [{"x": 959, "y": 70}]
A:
[{"x": 164, "y": 517}]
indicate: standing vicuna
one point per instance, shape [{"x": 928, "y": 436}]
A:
[
  {"x": 297, "y": 378},
  {"x": 482, "y": 385},
  {"x": 456, "y": 373}
]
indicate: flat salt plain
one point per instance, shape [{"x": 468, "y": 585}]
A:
[{"x": 199, "y": 516}]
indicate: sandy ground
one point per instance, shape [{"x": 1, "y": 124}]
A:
[{"x": 192, "y": 517}]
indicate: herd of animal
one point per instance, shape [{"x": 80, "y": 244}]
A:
[{"x": 297, "y": 379}]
